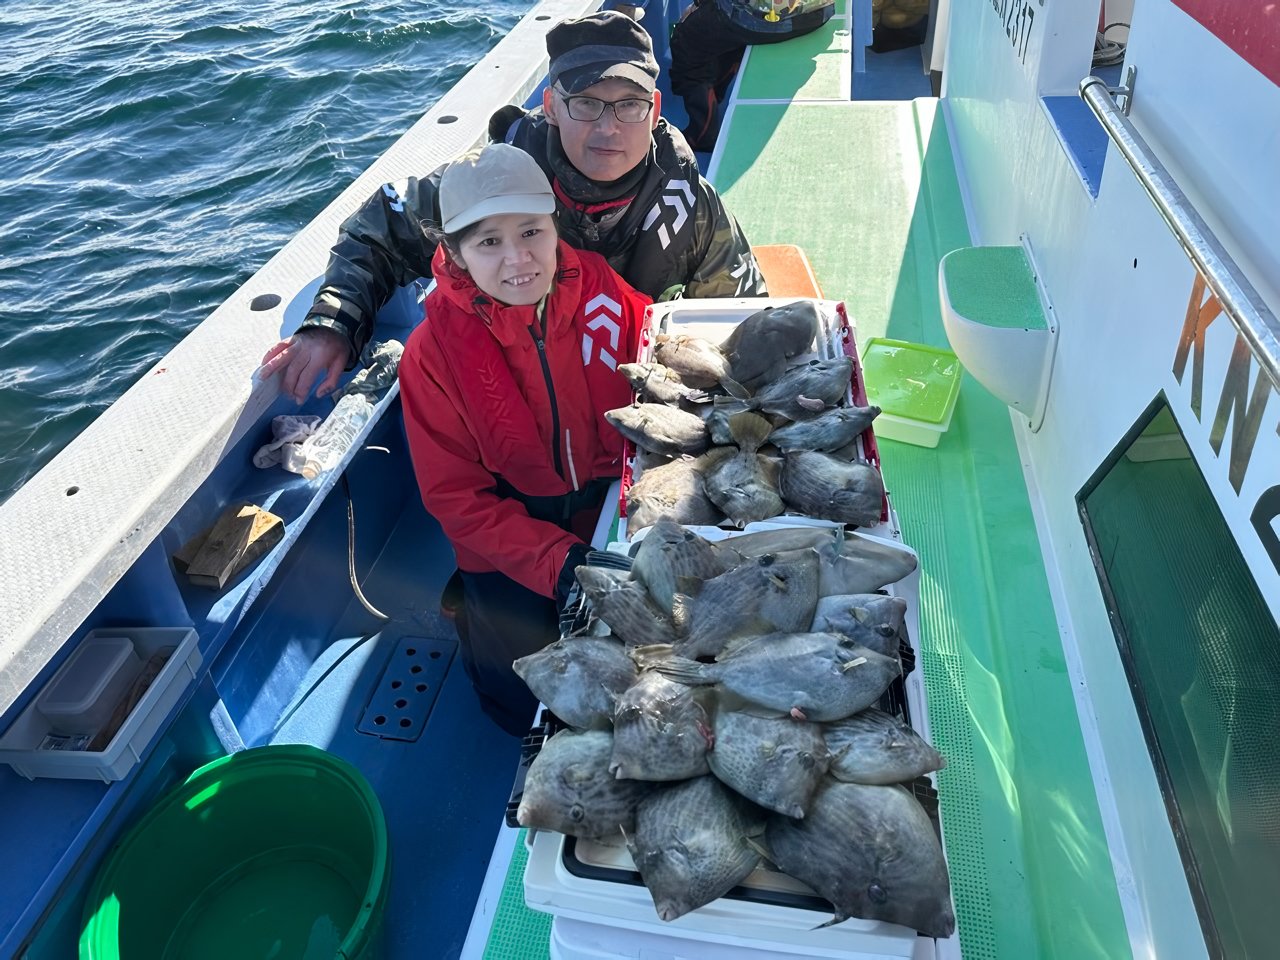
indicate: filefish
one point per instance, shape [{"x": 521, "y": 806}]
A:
[
  {"x": 776, "y": 762},
  {"x": 690, "y": 844},
  {"x": 774, "y": 593},
  {"x": 872, "y": 851},
  {"x": 625, "y": 607},
  {"x": 760, "y": 346},
  {"x": 661, "y": 731},
  {"x": 569, "y": 788},
  {"x": 579, "y": 679},
  {"x": 668, "y": 554},
  {"x": 810, "y": 676},
  {"x": 872, "y": 620},
  {"x": 819, "y": 485},
  {"x": 674, "y": 492},
  {"x": 828, "y": 431},
  {"x": 850, "y": 563},
  {"x": 658, "y": 384},
  {"x": 800, "y": 393},
  {"x": 698, "y": 362},
  {"x": 740, "y": 485},
  {"x": 660, "y": 428},
  {"x": 877, "y": 748}
]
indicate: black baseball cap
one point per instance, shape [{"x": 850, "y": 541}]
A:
[{"x": 586, "y": 50}]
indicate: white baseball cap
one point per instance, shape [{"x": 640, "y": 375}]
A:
[{"x": 497, "y": 179}]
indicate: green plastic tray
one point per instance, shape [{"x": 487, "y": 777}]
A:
[{"x": 914, "y": 385}]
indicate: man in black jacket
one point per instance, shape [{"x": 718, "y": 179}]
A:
[{"x": 627, "y": 186}]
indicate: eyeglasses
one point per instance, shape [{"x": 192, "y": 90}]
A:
[{"x": 590, "y": 109}]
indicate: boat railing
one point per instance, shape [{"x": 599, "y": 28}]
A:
[{"x": 1240, "y": 301}]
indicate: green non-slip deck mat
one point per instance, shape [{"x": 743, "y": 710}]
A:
[
  {"x": 518, "y": 933},
  {"x": 813, "y": 67},
  {"x": 869, "y": 191}
]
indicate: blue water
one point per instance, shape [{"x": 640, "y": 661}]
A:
[{"x": 152, "y": 159}]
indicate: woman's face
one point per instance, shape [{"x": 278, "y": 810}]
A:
[{"x": 512, "y": 256}]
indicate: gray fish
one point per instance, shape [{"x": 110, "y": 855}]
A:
[
  {"x": 569, "y": 788},
  {"x": 867, "y": 618},
  {"x": 668, "y": 554},
  {"x": 752, "y": 545},
  {"x": 875, "y": 747},
  {"x": 625, "y": 607},
  {"x": 819, "y": 485},
  {"x": 776, "y": 762},
  {"x": 674, "y": 492},
  {"x": 828, "y": 431},
  {"x": 850, "y": 563},
  {"x": 661, "y": 731},
  {"x": 579, "y": 679},
  {"x": 659, "y": 384},
  {"x": 690, "y": 844},
  {"x": 800, "y": 393},
  {"x": 811, "y": 676},
  {"x": 872, "y": 851},
  {"x": 740, "y": 485},
  {"x": 698, "y": 362},
  {"x": 774, "y": 593},
  {"x": 660, "y": 428},
  {"x": 760, "y": 346}
]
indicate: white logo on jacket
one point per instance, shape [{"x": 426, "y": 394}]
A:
[
  {"x": 602, "y": 313},
  {"x": 678, "y": 195}
]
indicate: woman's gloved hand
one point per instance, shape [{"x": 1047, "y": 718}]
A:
[{"x": 580, "y": 555}]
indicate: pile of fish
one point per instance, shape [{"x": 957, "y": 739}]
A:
[
  {"x": 728, "y": 720},
  {"x": 737, "y": 430}
]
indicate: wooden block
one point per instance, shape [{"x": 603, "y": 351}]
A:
[{"x": 240, "y": 536}]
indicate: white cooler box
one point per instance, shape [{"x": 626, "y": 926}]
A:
[
  {"x": 602, "y": 911},
  {"x": 714, "y": 320}
]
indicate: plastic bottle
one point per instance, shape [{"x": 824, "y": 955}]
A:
[{"x": 323, "y": 449}]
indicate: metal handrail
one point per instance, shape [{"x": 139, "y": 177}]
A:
[{"x": 1240, "y": 301}]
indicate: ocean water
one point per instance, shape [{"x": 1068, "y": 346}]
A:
[{"x": 155, "y": 153}]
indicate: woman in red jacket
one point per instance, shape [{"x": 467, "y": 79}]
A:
[{"x": 504, "y": 387}]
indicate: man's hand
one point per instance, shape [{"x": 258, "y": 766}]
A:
[{"x": 305, "y": 356}]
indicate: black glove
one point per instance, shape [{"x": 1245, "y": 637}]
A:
[{"x": 582, "y": 555}]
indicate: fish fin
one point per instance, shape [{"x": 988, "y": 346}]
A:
[
  {"x": 810, "y": 403},
  {"x": 734, "y": 388},
  {"x": 777, "y": 581},
  {"x": 681, "y": 611},
  {"x": 649, "y": 655},
  {"x": 855, "y": 662},
  {"x": 832, "y": 922},
  {"x": 763, "y": 851},
  {"x": 861, "y": 614}
]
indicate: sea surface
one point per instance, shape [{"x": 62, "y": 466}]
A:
[{"x": 155, "y": 153}]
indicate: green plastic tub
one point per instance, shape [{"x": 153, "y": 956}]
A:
[
  {"x": 277, "y": 852},
  {"x": 914, "y": 385}
]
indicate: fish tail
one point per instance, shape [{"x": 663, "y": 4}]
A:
[
  {"x": 731, "y": 405},
  {"x": 734, "y": 388},
  {"x": 749, "y": 430}
]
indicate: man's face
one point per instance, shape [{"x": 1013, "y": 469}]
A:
[{"x": 605, "y": 149}]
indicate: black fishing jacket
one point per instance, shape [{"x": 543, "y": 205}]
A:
[{"x": 675, "y": 235}]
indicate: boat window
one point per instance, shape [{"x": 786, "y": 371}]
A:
[{"x": 1202, "y": 653}]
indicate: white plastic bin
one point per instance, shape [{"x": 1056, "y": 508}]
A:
[
  {"x": 20, "y": 747},
  {"x": 83, "y": 694}
]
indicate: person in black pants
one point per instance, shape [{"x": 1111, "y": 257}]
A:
[{"x": 707, "y": 45}]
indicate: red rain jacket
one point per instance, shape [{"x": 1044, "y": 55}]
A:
[{"x": 492, "y": 430}]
